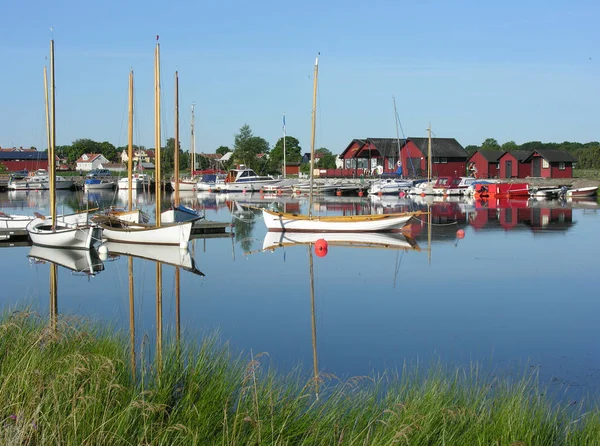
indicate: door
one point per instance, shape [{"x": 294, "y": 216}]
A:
[
  {"x": 536, "y": 166},
  {"x": 508, "y": 169}
]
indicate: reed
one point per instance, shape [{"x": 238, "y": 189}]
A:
[{"x": 74, "y": 385}]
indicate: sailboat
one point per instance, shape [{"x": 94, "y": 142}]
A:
[
  {"x": 77, "y": 260},
  {"x": 52, "y": 231},
  {"x": 178, "y": 213},
  {"x": 283, "y": 221},
  {"x": 117, "y": 230},
  {"x": 187, "y": 184}
]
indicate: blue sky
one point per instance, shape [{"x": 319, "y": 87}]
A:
[{"x": 512, "y": 70}]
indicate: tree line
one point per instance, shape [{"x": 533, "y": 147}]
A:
[
  {"x": 249, "y": 149},
  {"x": 587, "y": 154}
]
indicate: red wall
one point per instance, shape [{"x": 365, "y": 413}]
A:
[
  {"x": 411, "y": 151},
  {"x": 519, "y": 170},
  {"x": 556, "y": 173},
  {"x": 485, "y": 169},
  {"x": 292, "y": 170},
  {"x": 351, "y": 152},
  {"x": 30, "y": 165}
]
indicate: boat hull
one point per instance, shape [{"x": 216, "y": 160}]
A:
[
  {"x": 386, "y": 240},
  {"x": 279, "y": 221},
  {"x": 99, "y": 185},
  {"x": 176, "y": 234},
  {"x": 185, "y": 185},
  {"x": 63, "y": 235},
  {"x": 582, "y": 192}
]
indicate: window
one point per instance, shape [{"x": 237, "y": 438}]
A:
[
  {"x": 545, "y": 164},
  {"x": 562, "y": 166},
  {"x": 444, "y": 160}
]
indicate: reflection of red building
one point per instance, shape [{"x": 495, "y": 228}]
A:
[{"x": 515, "y": 214}]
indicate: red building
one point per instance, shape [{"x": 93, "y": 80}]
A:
[
  {"x": 292, "y": 168},
  {"x": 485, "y": 163},
  {"x": 381, "y": 155},
  {"x": 513, "y": 165},
  {"x": 551, "y": 163},
  {"x": 15, "y": 159}
]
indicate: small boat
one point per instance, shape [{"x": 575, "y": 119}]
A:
[
  {"x": 288, "y": 221},
  {"x": 389, "y": 186},
  {"x": 118, "y": 230},
  {"x": 99, "y": 183},
  {"x": 55, "y": 232},
  {"x": 582, "y": 192},
  {"x": 244, "y": 179},
  {"x": 138, "y": 181},
  {"x": 209, "y": 182},
  {"x": 77, "y": 260},
  {"x": 19, "y": 221},
  {"x": 501, "y": 190}
]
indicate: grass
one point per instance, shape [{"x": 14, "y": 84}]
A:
[
  {"x": 586, "y": 173},
  {"x": 74, "y": 385}
]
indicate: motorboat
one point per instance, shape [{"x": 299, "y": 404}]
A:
[{"x": 244, "y": 179}]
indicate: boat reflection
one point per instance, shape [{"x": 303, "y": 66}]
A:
[
  {"x": 80, "y": 261},
  {"x": 380, "y": 240}
]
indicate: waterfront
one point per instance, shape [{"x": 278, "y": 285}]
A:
[{"x": 518, "y": 291}]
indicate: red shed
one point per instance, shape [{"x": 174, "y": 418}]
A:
[
  {"x": 292, "y": 168},
  {"x": 513, "y": 164},
  {"x": 551, "y": 163},
  {"x": 485, "y": 162}
]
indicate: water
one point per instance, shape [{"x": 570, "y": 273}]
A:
[{"x": 520, "y": 290}]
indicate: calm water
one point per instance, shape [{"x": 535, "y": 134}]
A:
[{"x": 519, "y": 290}]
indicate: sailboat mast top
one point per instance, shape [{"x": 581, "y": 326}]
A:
[
  {"x": 130, "y": 146},
  {"x": 176, "y": 148}
]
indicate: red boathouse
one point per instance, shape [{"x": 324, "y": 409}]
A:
[{"x": 551, "y": 163}]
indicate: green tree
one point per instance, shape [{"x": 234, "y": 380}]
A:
[
  {"x": 3, "y": 168},
  {"x": 326, "y": 159},
  {"x": 222, "y": 150},
  {"x": 168, "y": 156},
  {"x": 293, "y": 153},
  {"x": 490, "y": 144},
  {"x": 247, "y": 147},
  {"x": 509, "y": 146},
  {"x": 471, "y": 149}
]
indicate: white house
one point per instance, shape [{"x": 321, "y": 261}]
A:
[{"x": 90, "y": 161}]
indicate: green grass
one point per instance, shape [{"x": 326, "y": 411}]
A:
[
  {"x": 74, "y": 385},
  {"x": 587, "y": 173}
]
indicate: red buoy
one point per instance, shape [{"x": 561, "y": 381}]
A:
[
  {"x": 360, "y": 193},
  {"x": 321, "y": 247},
  {"x": 460, "y": 233}
]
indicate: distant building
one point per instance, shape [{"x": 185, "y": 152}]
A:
[
  {"x": 139, "y": 155},
  {"x": 513, "y": 165},
  {"x": 551, "y": 163},
  {"x": 485, "y": 163},
  {"x": 90, "y": 161},
  {"x": 383, "y": 154},
  {"x": 16, "y": 159}
]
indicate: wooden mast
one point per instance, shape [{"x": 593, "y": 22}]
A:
[
  {"x": 131, "y": 314},
  {"x": 193, "y": 145},
  {"x": 397, "y": 132},
  {"x": 176, "y": 148},
  {"x": 48, "y": 142},
  {"x": 312, "y": 137},
  {"x": 429, "y": 153},
  {"x": 157, "y": 179},
  {"x": 130, "y": 146},
  {"x": 52, "y": 149}
]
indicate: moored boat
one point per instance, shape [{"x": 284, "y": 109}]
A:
[{"x": 582, "y": 192}]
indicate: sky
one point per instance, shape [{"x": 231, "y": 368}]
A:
[{"x": 513, "y": 70}]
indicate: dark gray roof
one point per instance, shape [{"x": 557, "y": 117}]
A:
[
  {"x": 387, "y": 147},
  {"x": 555, "y": 155},
  {"x": 441, "y": 147},
  {"x": 520, "y": 155},
  {"x": 17, "y": 155},
  {"x": 490, "y": 155}
]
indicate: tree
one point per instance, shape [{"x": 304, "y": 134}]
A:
[
  {"x": 247, "y": 147},
  {"x": 293, "y": 153},
  {"x": 222, "y": 150},
  {"x": 490, "y": 144},
  {"x": 326, "y": 160},
  {"x": 509, "y": 146},
  {"x": 168, "y": 156},
  {"x": 471, "y": 149}
]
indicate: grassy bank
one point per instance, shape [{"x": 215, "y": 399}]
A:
[{"x": 74, "y": 385}]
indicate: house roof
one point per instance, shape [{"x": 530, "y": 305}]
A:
[
  {"x": 490, "y": 155},
  {"x": 24, "y": 155},
  {"x": 387, "y": 147},
  {"x": 554, "y": 155},
  {"x": 16, "y": 149},
  {"x": 440, "y": 147},
  {"x": 519, "y": 155},
  {"x": 88, "y": 157}
]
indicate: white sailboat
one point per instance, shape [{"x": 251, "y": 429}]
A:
[
  {"x": 178, "y": 213},
  {"x": 117, "y": 230},
  {"x": 283, "y": 221},
  {"x": 52, "y": 231},
  {"x": 76, "y": 260},
  {"x": 187, "y": 184}
]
